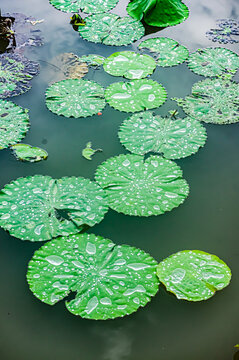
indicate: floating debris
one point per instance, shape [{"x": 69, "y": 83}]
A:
[
  {"x": 25, "y": 152},
  {"x": 88, "y": 152}
]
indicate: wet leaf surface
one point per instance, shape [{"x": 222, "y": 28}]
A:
[
  {"x": 139, "y": 187},
  {"x": 38, "y": 208},
  {"x": 193, "y": 275},
  {"x": 109, "y": 280},
  {"x": 136, "y": 95},
  {"x": 111, "y": 29}
]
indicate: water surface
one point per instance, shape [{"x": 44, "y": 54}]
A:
[{"x": 166, "y": 329}]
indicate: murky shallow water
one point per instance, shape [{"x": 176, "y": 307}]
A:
[{"x": 166, "y": 329}]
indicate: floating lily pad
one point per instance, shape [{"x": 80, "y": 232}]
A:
[
  {"x": 68, "y": 66},
  {"x": 24, "y": 31},
  {"x": 136, "y": 95},
  {"x": 39, "y": 208},
  {"x": 29, "y": 153},
  {"x": 174, "y": 139},
  {"x": 87, "y": 6},
  {"x": 142, "y": 188},
  {"x": 109, "y": 280},
  {"x": 75, "y": 97},
  {"x": 160, "y": 13},
  {"x": 213, "y": 101},
  {"x": 193, "y": 275},
  {"x": 227, "y": 29},
  {"x": 111, "y": 29},
  {"x": 15, "y": 73},
  {"x": 14, "y": 123},
  {"x": 92, "y": 60},
  {"x": 168, "y": 52},
  {"x": 129, "y": 64},
  {"x": 88, "y": 152},
  {"x": 213, "y": 61}
]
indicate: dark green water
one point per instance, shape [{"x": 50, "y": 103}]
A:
[{"x": 166, "y": 329}]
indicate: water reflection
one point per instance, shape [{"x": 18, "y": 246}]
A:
[{"x": 236, "y": 356}]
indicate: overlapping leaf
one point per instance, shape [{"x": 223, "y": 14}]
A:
[
  {"x": 129, "y": 65},
  {"x": 160, "y": 13},
  {"x": 92, "y": 60},
  {"x": 168, "y": 52},
  {"x": 39, "y": 208},
  {"x": 14, "y": 123},
  {"x": 75, "y": 97},
  {"x": 25, "y": 152},
  {"x": 213, "y": 61},
  {"x": 193, "y": 275},
  {"x": 15, "y": 73},
  {"x": 109, "y": 280},
  {"x": 111, "y": 29},
  {"x": 213, "y": 101},
  {"x": 136, "y": 95},
  {"x": 142, "y": 188},
  {"x": 87, "y": 6},
  {"x": 174, "y": 139}
]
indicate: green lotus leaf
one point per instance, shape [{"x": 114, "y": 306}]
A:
[
  {"x": 213, "y": 101},
  {"x": 88, "y": 152},
  {"x": 142, "y": 188},
  {"x": 109, "y": 280},
  {"x": 213, "y": 61},
  {"x": 174, "y": 139},
  {"x": 168, "y": 52},
  {"x": 15, "y": 73},
  {"x": 14, "y": 123},
  {"x": 129, "y": 64},
  {"x": 29, "y": 153},
  {"x": 193, "y": 275},
  {"x": 160, "y": 13},
  {"x": 68, "y": 66},
  {"x": 39, "y": 208},
  {"x": 92, "y": 60},
  {"x": 136, "y": 95},
  {"x": 75, "y": 97},
  {"x": 87, "y": 6},
  {"x": 111, "y": 29}
]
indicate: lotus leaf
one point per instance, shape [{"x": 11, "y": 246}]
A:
[
  {"x": 174, "y": 139},
  {"x": 68, "y": 66},
  {"x": 15, "y": 73},
  {"x": 24, "y": 31},
  {"x": 14, "y": 123},
  {"x": 111, "y": 29},
  {"x": 129, "y": 64},
  {"x": 167, "y": 51},
  {"x": 92, "y": 60},
  {"x": 213, "y": 101},
  {"x": 193, "y": 275},
  {"x": 87, "y": 6},
  {"x": 228, "y": 28},
  {"x": 136, "y": 95},
  {"x": 39, "y": 208},
  {"x": 109, "y": 280},
  {"x": 213, "y": 61},
  {"x": 75, "y": 97},
  {"x": 160, "y": 13},
  {"x": 142, "y": 188},
  {"x": 88, "y": 152},
  {"x": 29, "y": 153}
]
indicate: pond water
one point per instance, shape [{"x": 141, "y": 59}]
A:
[{"x": 166, "y": 329}]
